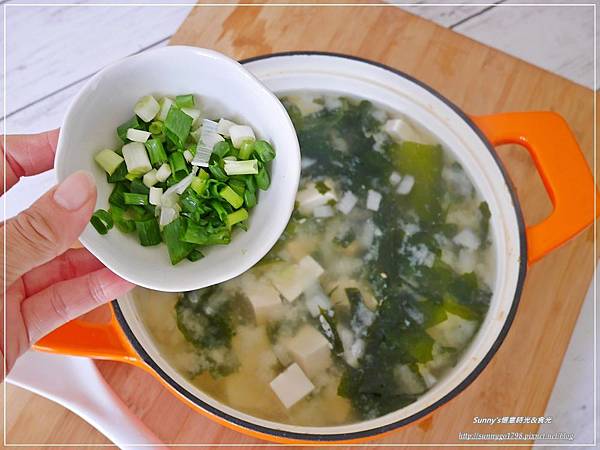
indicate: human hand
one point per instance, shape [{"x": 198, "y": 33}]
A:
[{"x": 46, "y": 283}]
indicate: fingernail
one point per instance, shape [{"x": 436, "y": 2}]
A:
[{"x": 72, "y": 193}]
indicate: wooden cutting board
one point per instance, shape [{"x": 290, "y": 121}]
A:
[{"x": 519, "y": 380}]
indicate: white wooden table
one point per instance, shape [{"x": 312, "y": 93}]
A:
[{"x": 52, "y": 50}]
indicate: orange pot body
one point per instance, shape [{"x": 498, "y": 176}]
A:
[{"x": 558, "y": 159}]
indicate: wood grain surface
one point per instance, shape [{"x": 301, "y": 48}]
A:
[{"x": 481, "y": 80}]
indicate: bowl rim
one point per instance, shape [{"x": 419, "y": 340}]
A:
[
  {"x": 287, "y": 206},
  {"x": 372, "y": 432}
]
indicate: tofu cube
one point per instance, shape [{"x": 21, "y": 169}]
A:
[
  {"x": 401, "y": 130},
  {"x": 293, "y": 279},
  {"x": 286, "y": 281},
  {"x": 310, "y": 350},
  {"x": 265, "y": 302},
  {"x": 291, "y": 386},
  {"x": 310, "y": 198},
  {"x": 239, "y": 134},
  {"x": 310, "y": 269}
]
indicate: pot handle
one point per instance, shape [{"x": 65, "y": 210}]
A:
[
  {"x": 98, "y": 340},
  {"x": 562, "y": 167}
]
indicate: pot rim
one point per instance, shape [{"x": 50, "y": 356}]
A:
[{"x": 440, "y": 402}]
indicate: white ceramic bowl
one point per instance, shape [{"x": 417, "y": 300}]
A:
[{"x": 225, "y": 89}]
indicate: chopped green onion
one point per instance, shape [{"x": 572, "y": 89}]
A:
[
  {"x": 138, "y": 187},
  {"x": 156, "y": 151},
  {"x": 119, "y": 174},
  {"x": 150, "y": 179},
  {"x": 125, "y": 226},
  {"x": 246, "y": 150},
  {"x": 185, "y": 101},
  {"x": 197, "y": 234},
  {"x": 139, "y": 213},
  {"x": 136, "y": 159},
  {"x": 155, "y": 196},
  {"x": 217, "y": 172},
  {"x": 239, "y": 186},
  {"x": 156, "y": 127},
  {"x": 232, "y": 197},
  {"x": 146, "y": 108},
  {"x": 148, "y": 232},
  {"x": 160, "y": 192},
  {"x": 122, "y": 129},
  {"x": 219, "y": 209},
  {"x": 131, "y": 198},
  {"x": 108, "y": 160},
  {"x": 264, "y": 151},
  {"x": 137, "y": 135},
  {"x": 249, "y": 198},
  {"x": 120, "y": 220},
  {"x": 163, "y": 172},
  {"x": 249, "y": 167},
  {"x": 178, "y": 165},
  {"x": 116, "y": 196},
  {"x": 237, "y": 216},
  {"x": 165, "y": 105},
  {"x": 193, "y": 113},
  {"x": 177, "y": 127},
  {"x": 221, "y": 149},
  {"x": 262, "y": 179},
  {"x": 178, "y": 250},
  {"x": 199, "y": 185},
  {"x": 102, "y": 221}
]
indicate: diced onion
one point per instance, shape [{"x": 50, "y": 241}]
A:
[{"x": 188, "y": 156}]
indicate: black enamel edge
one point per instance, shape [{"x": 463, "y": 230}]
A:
[{"x": 449, "y": 396}]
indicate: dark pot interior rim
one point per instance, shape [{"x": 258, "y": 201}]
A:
[{"x": 424, "y": 412}]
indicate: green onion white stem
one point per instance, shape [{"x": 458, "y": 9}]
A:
[
  {"x": 146, "y": 108},
  {"x": 136, "y": 158}
]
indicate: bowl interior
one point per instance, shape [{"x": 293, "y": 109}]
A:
[
  {"x": 224, "y": 89},
  {"x": 346, "y": 76}
]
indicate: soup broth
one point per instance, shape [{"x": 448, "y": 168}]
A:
[{"x": 379, "y": 283}]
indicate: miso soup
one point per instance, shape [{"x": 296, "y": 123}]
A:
[{"x": 379, "y": 283}]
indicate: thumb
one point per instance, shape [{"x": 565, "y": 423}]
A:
[{"x": 50, "y": 226}]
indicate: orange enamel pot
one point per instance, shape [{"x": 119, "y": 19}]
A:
[{"x": 557, "y": 158}]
